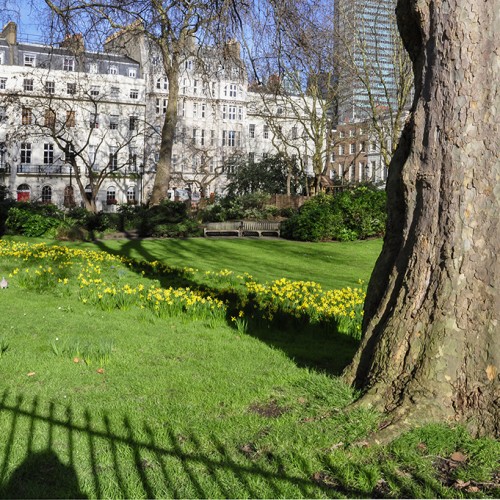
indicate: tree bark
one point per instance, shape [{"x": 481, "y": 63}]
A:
[{"x": 430, "y": 347}]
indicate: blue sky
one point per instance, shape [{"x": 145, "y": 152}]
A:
[{"x": 26, "y": 17}]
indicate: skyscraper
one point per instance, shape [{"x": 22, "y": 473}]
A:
[{"x": 366, "y": 55}]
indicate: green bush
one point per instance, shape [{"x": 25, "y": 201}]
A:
[
  {"x": 34, "y": 220},
  {"x": 352, "y": 214},
  {"x": 247, "y": 206},
  {"x": 170, "y": 218}
]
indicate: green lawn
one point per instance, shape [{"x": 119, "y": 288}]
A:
[
  {"x": 333, "y": 265},
  {"x": 185, "y": 407}
]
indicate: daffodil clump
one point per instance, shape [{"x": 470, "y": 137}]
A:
[
  {"x": 112, "y": 282},
  {"x": 308, "y": 302}
]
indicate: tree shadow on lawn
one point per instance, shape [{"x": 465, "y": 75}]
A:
[{"x": 315, "y": 346}]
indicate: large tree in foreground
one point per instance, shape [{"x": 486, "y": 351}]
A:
[{"x": 430, "y": 349}]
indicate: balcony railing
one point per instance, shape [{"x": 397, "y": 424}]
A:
[
  {"x": 45, "y": 169},
  {"x": 50, "y": 169}
]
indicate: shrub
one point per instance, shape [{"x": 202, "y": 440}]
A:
[
  {"x": 352, "y": 214},
  {"x": 248, "y": 206},
  {"x": 34, "y": 220},
  {"x": 170, "y": 218}
]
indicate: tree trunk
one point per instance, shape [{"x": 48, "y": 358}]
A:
[
  {"x": 164, "y": 166},
  {"x": 430, "y": 347}
]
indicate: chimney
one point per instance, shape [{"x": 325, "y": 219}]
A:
[
  {"x": 74, "y": 43},
  {"x": 9, "y": 32}
]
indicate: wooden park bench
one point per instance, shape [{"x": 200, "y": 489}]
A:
[{"x": 242, "y": 228}]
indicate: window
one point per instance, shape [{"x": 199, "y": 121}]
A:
[
  {"x": 240, "y": 112},
  {"x": 212, "y": 137},
  {"x": 133, "y": 122},
  {"x": 3, "y": 83},
  {"x": 351, "y": 133},
  {"x": 93, "y": 68},
  {"x": 132, "y": 159},
  {"x": 113, "y": 122},
  {"x": 352, "y": 148},
  {"x": 341, "y": 149},
  {"x": 3, "y": 117},
  {"x": 162, "y": 83},
  {"x": 113, "y": 159},
  {"x": 134, "y": 94},
  {"x": 48, "y": 154},
  {"x": 279, "y": 111},
  {"x": 46, "y": 194},
  {"x": 111, "y": 196},
  {"x": 352, "y": 172},
  {"x": 341, "y": 134},
  {"x": 28, "y": 84},
  {"x": 266, "y": 131},
  {"x": 132, "y": 72},
  {"x": 30, "y": 60},
  {"x": 92, "y": 155},
  {"x": 251, "y": 130},
  {"x": 161, "y": 106},
  {"x": 50, "y": 87},
  {"x": 202, "y": 138},
  {"x": 50, "y": 118},
  {"x": 25, "y": 152},
  {"x": 251, "y": 157},
  {"x": 229, "y": 138},
  {"x": 188, "y": 65},
  {"x": 203, "y": 110},
  {"x": 94, "y": 120},
  {"x": 26, "y": 116},
  {"x": 294, "y": 133},
  {"x": 195, "y": 110},
  {"x": 69, "y": 64},
  {"x": 232, "y": 112},
  {"x": 195, "y": 132},
  {"x": 131, "y": 195},
  {"x": 233, "y": 90},
  {"x": 115, "y": 91},
  {"x": 373, "y": 146},
  {"x": 94, "y": 90},
  {"x": 69, "y": 153},
  {"x": 71, "y": 88},
  {"x": 195, "y": 86},
  {"x": 113, "y": 70}
]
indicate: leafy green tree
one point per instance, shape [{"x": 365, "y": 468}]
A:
[{"x": 271, "y": 176}]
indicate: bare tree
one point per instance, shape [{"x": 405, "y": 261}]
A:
[
  {"x": 170, "y": 28},
  {"x": 291, "y": 54},
  {"x": 430, "y": 331},
  {"x": 93, "y": 140}
]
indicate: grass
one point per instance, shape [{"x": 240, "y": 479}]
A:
[
  {"x": 332, "y": 265},
  {"x": 199, "y": 407}
]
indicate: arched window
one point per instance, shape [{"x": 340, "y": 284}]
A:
[
  {"x": 131, "y": 197},
  {"x": 23, "y": 192},
  {"x": 46, "y": 194},
  {"x": 111, "y": 196}
]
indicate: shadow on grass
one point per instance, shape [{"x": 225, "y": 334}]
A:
[
  {"x": 116, "y": 457},
  {"x": 315, "y": 346}
]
